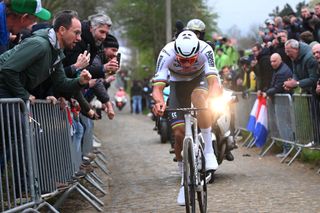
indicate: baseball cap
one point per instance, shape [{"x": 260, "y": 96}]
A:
[{"x": 33, "y": 7}]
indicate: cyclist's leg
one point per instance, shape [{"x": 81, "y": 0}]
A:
[{"x": 199, "y": 100}]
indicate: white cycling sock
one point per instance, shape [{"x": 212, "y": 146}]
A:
[{"x": 207, "y": 137}]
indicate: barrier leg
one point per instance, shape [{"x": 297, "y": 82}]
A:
[
  {"x": 58, "y": 203},
  {"x": 288, "y": 153},
  {"x": 295, "y": 156},
  {"x": 95, "y": 184},
  {"x": 268, "y": 148},
  {"x": 96, "y": 177},
  {"x": 246, "y": 141},
  {"x": 83, "y": 189},
  {"x": 252, "y": 143},
  {"x": 93, "y": 203},
  {"x": 101, "y": 157},
  {"x": 102, "y": 167}
]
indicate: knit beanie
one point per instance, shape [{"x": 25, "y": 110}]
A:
[{"x": 111, "y": 41}]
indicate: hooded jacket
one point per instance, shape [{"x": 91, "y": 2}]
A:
[
  {"x": 305, "y": 68},
  {"x": 32, "y": 62}
]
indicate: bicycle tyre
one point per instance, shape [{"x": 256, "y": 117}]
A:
[
  {"x": 163, "y": 131},
  {"x": 189, "y": 176},
  {"x": 202, "y": 195}
]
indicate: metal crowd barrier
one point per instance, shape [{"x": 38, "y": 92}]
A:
[
  {"x": 242, "y": 111},
  {"x": 37, "y": 157},
  {"x": 293, "y": 120},
  {"x": 52, "y": 139},
  {"x": 281, "y": 123},
  {"x": 17, "y": 189}
]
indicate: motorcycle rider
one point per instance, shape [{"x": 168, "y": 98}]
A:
[
  {"x": 193, "y": 78},
  {"x": 199, "y": 28}
]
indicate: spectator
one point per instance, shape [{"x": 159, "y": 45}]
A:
[
  {"x": 306, "y": 37},
  {"x": 39, "y": 58},
  {"x": 227, "y": 76},
  {"x": 317, "y": 10},
  {"x": 16, "y": 15},
  {"x": 281, "y": 73},
  {"x": 136, "y": 92},
  {"x": 94, "y": 32},
  {"x": 262, "y": 66},
  {"x": 305, "y": 66},
  {"x": 245, "y": 79},
  {"x": 221, "y": 59},
  {"x": 305, "y": 75},
  {"x": 278, "y": 47},
  {"x": 306, "y": 15}
]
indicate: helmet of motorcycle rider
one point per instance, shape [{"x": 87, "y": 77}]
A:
[
  {"x": 198, "y": 27},
  {"x": 187, "y": 47}
]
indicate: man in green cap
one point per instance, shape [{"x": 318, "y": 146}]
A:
[{"x": 16, "y": 15}]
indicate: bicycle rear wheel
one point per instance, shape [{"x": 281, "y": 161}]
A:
[
  {"x": 189, "y": 176},
  {"x": 202, "y": 189}
]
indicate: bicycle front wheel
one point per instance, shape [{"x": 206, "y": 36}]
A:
[
  {"x": 189, "y": 176},
  {"x": 202, "y": 189}
]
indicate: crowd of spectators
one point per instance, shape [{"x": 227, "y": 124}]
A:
[
  {"x": 284, "y": 60},
  {"x": 64, "y": 58}
]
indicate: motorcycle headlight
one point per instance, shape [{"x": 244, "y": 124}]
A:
[{"x": 218, "y": 105}]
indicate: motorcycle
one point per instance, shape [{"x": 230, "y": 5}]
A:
[
  {"x": 120, "y": 99},
  {"x": 223, "y": 127}
]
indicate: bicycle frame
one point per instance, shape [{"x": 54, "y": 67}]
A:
[{"x": 194, "y": 166}]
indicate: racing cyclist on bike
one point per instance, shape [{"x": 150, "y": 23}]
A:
[{"x": 193, "y": 79}]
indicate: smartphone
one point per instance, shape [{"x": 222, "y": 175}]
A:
[{"x": 118, "y": 58}]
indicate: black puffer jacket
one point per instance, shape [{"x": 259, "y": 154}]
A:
[{"x": 263, "y": 70}]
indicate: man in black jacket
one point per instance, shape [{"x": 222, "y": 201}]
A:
[
  {"x": 94, "y": 32},
  {"x": 262, "y": 67}
]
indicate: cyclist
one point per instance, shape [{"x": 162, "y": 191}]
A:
[{"x": 193, "y": 78}]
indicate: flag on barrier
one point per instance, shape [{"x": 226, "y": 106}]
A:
[{"x": 258, "y": 121}]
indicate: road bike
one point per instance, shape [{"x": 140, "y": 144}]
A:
[{"x": 194, "y": 179}]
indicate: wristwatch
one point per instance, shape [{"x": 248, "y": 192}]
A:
[{"x": 298, "y": 84}]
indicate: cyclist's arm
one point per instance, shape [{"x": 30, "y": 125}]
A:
[
  {"x": 212, "y": 74},
  {"x": 159, "y": 82}
]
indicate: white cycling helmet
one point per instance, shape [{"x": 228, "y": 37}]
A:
[
  {"x": 196, "y": 24},
  {"x": 187, "y": 44}
]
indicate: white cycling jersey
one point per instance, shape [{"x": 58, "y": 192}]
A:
[{"x": 168, "y": 65}]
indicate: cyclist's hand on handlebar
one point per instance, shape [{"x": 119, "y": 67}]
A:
[{"x": 159, "y": 109}]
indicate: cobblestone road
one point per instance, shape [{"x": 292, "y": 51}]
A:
[{"x": 145, "y": 179}]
